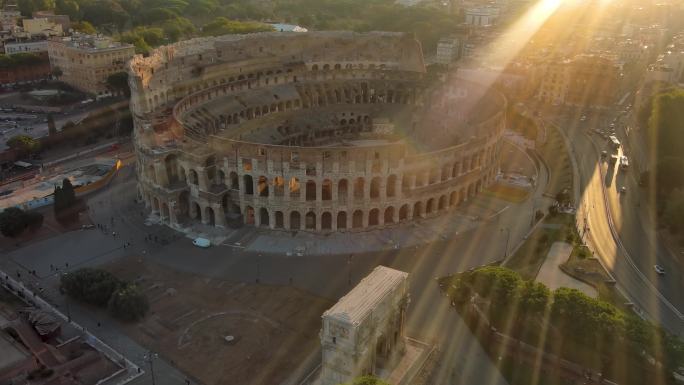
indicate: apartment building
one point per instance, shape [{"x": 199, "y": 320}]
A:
[{"x": 86, "y": 61}]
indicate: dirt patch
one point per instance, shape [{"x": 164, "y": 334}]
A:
[
  {"x": 507, "y": 192},
  {"x": 274, "y": 328}
]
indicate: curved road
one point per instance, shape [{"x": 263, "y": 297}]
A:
[{"x": 621, "y": 232}]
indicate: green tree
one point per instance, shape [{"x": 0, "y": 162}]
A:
[
  {"x": 92, "y": 286},
  {"x": 13, "y": 222},
  {"x": 84, "y": 27},
  {"x": 128, "y": 303},
  {"x": 24, "y": 143},
  {"x": 368, "y": 380},
  {"x": 34, "y": 220},
  {"x": 57, "y": 72},
  {"x": 223, "y": 26},
  {"x": 65, "y": 196},
  {"x": 69, "y": 8},
  {"x": 118, "y": 83},
  {"x": 105, "y": 12},
  {"x": 535, "y": 298}
]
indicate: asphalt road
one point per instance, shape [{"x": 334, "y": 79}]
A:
[{"x": 621, "y": 229}]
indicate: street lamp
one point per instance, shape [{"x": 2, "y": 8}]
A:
[
  {"x": 508, "y": 238},
  {"x": 149, "y": 358}
]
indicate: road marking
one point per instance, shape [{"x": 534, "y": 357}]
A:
[{"x": 628, "y": 257}]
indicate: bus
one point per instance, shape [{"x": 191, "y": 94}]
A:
[
  {"x": 614, "y": 141},
  {"x": 624, "y": 162}
]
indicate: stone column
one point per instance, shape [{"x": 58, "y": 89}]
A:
[
  {"x": 286, "y": 190},
  {"x": 203, "y": 179},
  {"x": 219, "y": 216}
]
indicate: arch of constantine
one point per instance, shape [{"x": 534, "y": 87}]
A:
[{"x": 317, "y": 131}]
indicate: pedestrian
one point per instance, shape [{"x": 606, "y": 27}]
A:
[
  {"x": 99, "y": 324},
  {"x": 66, "y": 264}
]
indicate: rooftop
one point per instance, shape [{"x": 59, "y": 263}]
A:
[
  {"x": 90, "y": 42},
  {"x": 354, "y": 307}
]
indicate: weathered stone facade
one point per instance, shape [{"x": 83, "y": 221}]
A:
[
  {"x": 320, "y": 131},
  {"x": 365, "y": 327}
]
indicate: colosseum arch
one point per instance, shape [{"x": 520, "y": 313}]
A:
[
  {"x": 195, "y": 211},
  {"x": 165, "y": 214},
  {"x": 264, "y": 218},
  {"x": 209, "y": 215},
  {"x": 279, "y": 220},
  {"x": 249, "y": 215},
  {"x": 194, "y": 178},
  {"x": 374, "y": 217},
  {"x": 453, "y": 199},
  {"x": 342, "y": 190},
  {"x": 357, "y": 219},
  {"x": 248, "y": 184},
  {"x": 389, "y": 215},
  {"x": 341, "y": 220},
  {"x": 430, "y": 206},
  {"x": 326, "y": 221},
  {"x": 310, "y": 221},
  {"x": 418, "y": 210},
  {"x": 184, "y": 204},
  {"x": 295, "y": 220},
  {"x": 171, "y": 165},
  {"x": 443, "y": 203},
  {"x": 234, "y": 181},
  {"x": 404, "y": 213}
]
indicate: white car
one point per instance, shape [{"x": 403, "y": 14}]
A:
[
  {"x": 659, "y": 270},
  {"x": 623, "y": 190},
  {"x": 201, "y": 242}
]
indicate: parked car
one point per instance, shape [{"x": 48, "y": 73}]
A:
[
  {"x": 658, "y": 269},
  {"x": 623, "y": 190},
  {"x": 201, "y": 242}
]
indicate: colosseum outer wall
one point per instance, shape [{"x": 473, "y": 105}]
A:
[{"x": 193, "y": 169}]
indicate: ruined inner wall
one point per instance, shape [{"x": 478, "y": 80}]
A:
[{"x": 242, "y": 129}]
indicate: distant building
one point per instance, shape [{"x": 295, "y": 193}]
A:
[
  {"x": 288, "y": 28},
  {"x": 586, "y": 80},
  {"x": 630, "y": 51},
  {"x": 42, "y": 27},
  {"x": 87, "y": 60},
  {"x": 449, "y": 49},
  {"x": 24, "y": 46},
  {"x": 62, "y": 20},
  {"x": 25, "y": 73},
  {"x": 9, "y": 16},
  {"x": 481, "y": 16}
]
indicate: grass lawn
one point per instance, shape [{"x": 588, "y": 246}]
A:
[
  {"x": 507, "y": 193},
  {"x": 528, "y": 259},
  {"x": 583, "y": 266},
  {"x": 556, "y": 157}
]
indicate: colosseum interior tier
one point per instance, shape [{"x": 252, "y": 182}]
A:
[{"x": 317, "y": 131}]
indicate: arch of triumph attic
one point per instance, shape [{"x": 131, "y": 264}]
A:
[{"x": 317, "y": 131}]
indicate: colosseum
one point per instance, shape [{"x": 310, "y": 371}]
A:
[{"x": 316, "y": 131}]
